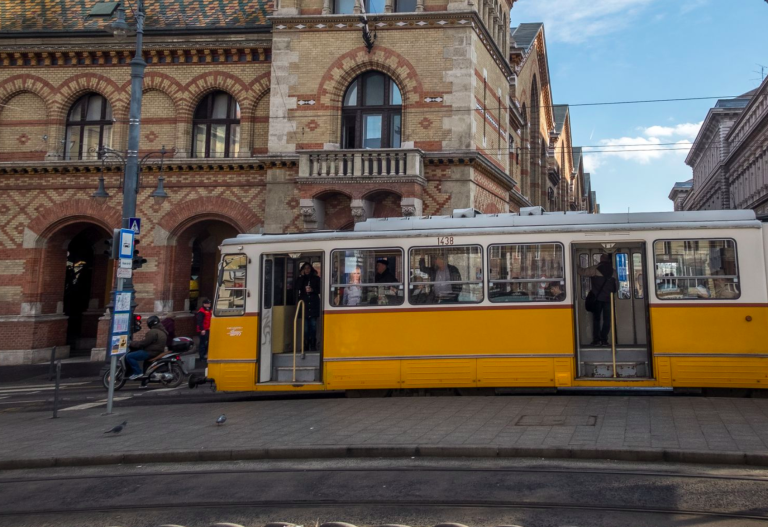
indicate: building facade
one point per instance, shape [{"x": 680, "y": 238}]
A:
[
  {"x": 729, "y": 158},
  {"x": 273, "y": 118}
]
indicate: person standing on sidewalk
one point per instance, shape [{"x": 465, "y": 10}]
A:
[{"x": 203, "y": 323}]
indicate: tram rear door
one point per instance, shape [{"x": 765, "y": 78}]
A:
[
  {"x": 633, "y": 353},
  {"x": 278, "y": 318}
]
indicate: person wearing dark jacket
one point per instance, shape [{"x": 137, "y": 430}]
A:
[
  {"x": 152, "y": 346},
  {"x": 203, "y": 326},
  {"x": 170, "y": 327},
  {"x": 383, "y": 274},
  {"x": 440, "y": 272},
  {"x": 603, "y": 284},
  {"x": 307, "y": 286}
]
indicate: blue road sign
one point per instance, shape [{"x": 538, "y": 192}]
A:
[
  {"x": 135, "y": 225},
  {"x": 126, "y": 243}
]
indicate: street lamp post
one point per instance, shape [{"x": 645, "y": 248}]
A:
[{"x": 120, "y": 29}]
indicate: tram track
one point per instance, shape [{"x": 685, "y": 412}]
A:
[
  {"x": 444, "y": 504},
  {"x": 430, "y": 491}
]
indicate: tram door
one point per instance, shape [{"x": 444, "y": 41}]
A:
[
  {"x": 633, "y": 353},
  {"x": 278, "y": 314}
]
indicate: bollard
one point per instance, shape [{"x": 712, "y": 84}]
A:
[
  {"x": 56, "y": 391},
  {"x": 50, "y": 367}
]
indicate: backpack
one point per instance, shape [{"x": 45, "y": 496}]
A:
[{"x": 590, "y": 303}]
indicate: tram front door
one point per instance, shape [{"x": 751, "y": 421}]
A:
[{"x": 633, "y": 353}]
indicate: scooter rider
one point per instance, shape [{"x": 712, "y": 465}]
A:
[{"x": 152, "y": 346}]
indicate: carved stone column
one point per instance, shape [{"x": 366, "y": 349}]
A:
[
  {"x": 362, "y": 209},
  {"x": 313, "y": 213},
  {"x": 412, "y": 207},
  {"x": 326, "y": 7}
]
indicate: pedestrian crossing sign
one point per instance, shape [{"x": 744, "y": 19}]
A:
[{"x": 135, "y": 225}]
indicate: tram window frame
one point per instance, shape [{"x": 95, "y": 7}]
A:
[
  {"x": 333, "y": 279},
  {"x": 424, "y": 249},
  {"x": 735, "y": 279},
  {"x": 562, "y": 280},
  {"x": 231, "y": 312}
]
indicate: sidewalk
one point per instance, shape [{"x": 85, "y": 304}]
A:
[{"x": 681, "y": 429}]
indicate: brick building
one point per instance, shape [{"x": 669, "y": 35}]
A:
[
  {"x": 276, "y": 117},
  {"x": 729, "y": 159}
]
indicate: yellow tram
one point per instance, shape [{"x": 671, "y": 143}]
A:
[{"x": 496, "y": 301}]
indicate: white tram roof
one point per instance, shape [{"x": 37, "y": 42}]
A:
[{"x": 472, "y": 222}]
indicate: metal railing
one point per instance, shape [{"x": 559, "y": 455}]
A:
[
  {"x": 394, "y": 162},
  {"x": 299, "y": 309}
]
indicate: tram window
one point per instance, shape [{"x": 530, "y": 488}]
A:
[
  {"x": 367, "y": 277},
  {"x": 527, "y": 273},
  {"x": 230, "y": 294},
  {"x": 696, "y": 269},
  {"x": 622, "y": 269},
  {"x": 637, "y": 275},
  {"x": 446, "y": 275}
]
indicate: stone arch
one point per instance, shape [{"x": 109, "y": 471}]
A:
[
  {"x": 78, "y": 85},
  {"x": 184, "y": 214},
  {"x": 17, "y": 84},
  {"x": 324, "y": 193},
  {"x": 347, "y": 67},
  {"x": 53, "y": 219},
  {"x": 205, "y": 83},
  {"x": 163, "y": 83},
  {"x": 385, "y": 203},
  {"x": 355, "y": 62}
]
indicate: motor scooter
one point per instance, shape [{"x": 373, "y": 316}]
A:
[{"x": 168, "y": 369}]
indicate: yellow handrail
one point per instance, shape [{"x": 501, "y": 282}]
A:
[
  {"x": 299, "y": 309},
  {"x": 613, "y": 337}
]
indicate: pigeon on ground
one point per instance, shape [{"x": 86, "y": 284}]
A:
[
  {"x": 221, "y": 420},
  {"x": 117, "y": 429}
]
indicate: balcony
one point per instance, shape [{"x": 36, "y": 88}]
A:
[{"x": 359, "y": 165}]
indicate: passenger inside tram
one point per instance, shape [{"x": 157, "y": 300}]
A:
[
  {"x": 555, "y": 292},
  {"x": 366, "y": 277},
  {"x": 440, "y": 274}
]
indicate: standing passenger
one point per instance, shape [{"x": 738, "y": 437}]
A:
[
  {"x": 307, "y": 287},
  {"x": 440, "y": 274},
  {"x": 603, "y": 284}
]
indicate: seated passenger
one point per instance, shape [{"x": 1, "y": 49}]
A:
[
  {"x": 383, "y": 274},
  {"x": 441, "y": 273},
  {"x": 555, "y": 292},
  {"x": 353, "y": 292}
]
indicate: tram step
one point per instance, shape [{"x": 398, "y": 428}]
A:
[
  {"x": 286, "y": 360},
  {"x": 303, "y": 374}
]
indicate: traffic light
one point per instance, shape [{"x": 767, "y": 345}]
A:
[
  {"x": 136, "y": 323},
  {"x": 112, "y": 247},
  {"x": 138, "y": 260}
]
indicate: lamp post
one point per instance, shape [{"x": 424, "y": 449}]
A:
[{"x": 120, "y": 29}]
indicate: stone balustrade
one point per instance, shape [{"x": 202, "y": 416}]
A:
[{"x": 390, "y": 163}]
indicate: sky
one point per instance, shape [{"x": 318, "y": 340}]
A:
[{"x": 624, "y": 50}]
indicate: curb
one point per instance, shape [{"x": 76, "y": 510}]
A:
[{"x": 373, "y": 451}]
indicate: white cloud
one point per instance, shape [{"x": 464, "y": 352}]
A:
[
  {"x": 576, "y": 21},
  {"x": 592, "y": 162},
  {"x": 642, "y": 150},
  {"x": 689, "y": 130}
]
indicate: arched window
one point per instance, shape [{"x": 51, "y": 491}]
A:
[
  {"x": 372, "y": 113},
  {"x": 216, "y": 126},
  {"x": 89, "y": 127}
]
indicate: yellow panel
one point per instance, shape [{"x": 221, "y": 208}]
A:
[
  {"x": 455, "y": 373},
  {"x": 448, "y": 332},
  {"x": 720, "y": 372},
  {"x": 362, "y": 374},
  {"x": 709, "y": 329},
  {"x": 564, "y": 372},
  {"x": 515, "y": 372},
  {"x": 234, "y": 376},
  {"x": 663, "y": 371},
  {"x": 234, "y": 338}
]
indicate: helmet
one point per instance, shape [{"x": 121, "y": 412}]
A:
[{"x": 153, "y": 321}]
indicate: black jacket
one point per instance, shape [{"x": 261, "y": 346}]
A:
[
  {"x": 154, "y": 341},
  {"x": 385, "y": 278},
  {"x": 454, "y": 275},
  {"x": 604, "y": 283},
  {"x": 311, "y": 300}
]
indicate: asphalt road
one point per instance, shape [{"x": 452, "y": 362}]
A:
[{"x": 416, "y": 492}]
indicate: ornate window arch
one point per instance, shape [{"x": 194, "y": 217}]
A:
[
  {"x": 371, "y": 115},
  {"x": 216, "y": 126},
  {"x": 89, "y": 127}
]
